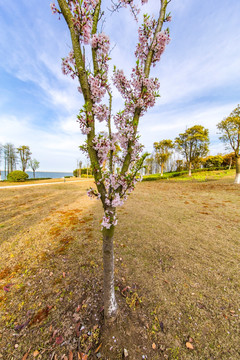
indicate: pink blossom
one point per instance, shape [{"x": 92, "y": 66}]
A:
[
  {"x": 106, "y": 222},
  {"x": 69, "y": 65},
  {"x": 139, "y": 92},
  {"x": 82, "y": 16},
  {"x": 101, "y": 112},
  {"x": 82, "y": 119},
  {"x": 109, "y": 219},
  {"x": 97, "y": 87},
  {"x": 134, "y": 9},
  {"x": 54, "y": 8},
  {"x": 146, "y": 43},
  {"x": 93, "y": 194},
  {"x": 102, "y": 144}
]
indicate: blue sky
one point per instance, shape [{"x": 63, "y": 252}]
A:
[{"x": 199, "y": 75}]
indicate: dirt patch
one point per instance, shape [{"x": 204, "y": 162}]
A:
[{"x": 177, "y": 283}]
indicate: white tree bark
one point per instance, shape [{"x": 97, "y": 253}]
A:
[
  {"x": 110, "y": 303},
  {"x": 237, "y": 178}
]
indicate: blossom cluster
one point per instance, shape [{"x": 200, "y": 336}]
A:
[
  {"x": 102, "y": 145},
  {"x": 92, "y": 193},
  {"x": 82, "y": 13},
  {"x": 134, "y": 8},
  {"x": 139, "y": 92},
  {"x": 118, "y": 187},
  {"x": 83, "y": 122},
  {"x": 97, "y": 87},
  {"x": 109, "y": 219},
  {"x": 101, "y": 44},
  {"x": 69, "y": 65},
  {"x": 99, "y": 82},
  {"x": 101, "y": 112},
  {"x": 82, "y": 17},
  {"x": 147, "y": 42},
  {"x": 125, "y": 129}
]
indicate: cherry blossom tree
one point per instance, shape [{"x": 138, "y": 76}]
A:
[{"x": 118, "y": 149}]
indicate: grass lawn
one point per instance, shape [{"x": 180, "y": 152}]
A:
[{"x": 177, "y": 273}]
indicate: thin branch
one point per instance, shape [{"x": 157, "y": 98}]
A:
[
  {"x": 94, "y": 30},
  {"x": 158, "y": 29},
  {"x": 83, "y": 80},
  {"x": 110, "y": 131},
  {"x": 147, "y": 68}
]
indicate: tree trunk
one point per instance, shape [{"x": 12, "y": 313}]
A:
[
  {"x": 190, "y": 169},
  {"x": 34, "y": 174},
  {"x": 110, "y": 304},
  {"x": 237, "y": 178},
  {"x": 161, "y": 169},
  {"x": 230, "y": 164}
]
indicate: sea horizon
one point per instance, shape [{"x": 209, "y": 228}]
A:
[{"x": 41, "y": 174}]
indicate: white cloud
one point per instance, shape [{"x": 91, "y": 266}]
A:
[
  {"x": 56, "y": 150},
  {"x": 199, "y": 74},
  {"x": 169, "y": 124},
  {"x": 70, "y": 125}
]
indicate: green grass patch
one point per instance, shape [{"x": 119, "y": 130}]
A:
[{"x": 198, "y": 175}]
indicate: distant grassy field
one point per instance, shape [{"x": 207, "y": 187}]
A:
[
  {"x": 199, "y": 175},
  {"x": 177, "y": 272}
]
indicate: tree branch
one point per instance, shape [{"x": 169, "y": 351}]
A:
[
  {"x": 147, "y": 68},
  {"x": 83, "y": 80},
  {"x": 94, "y": 31},
  {"x": 161, "y": 18}
]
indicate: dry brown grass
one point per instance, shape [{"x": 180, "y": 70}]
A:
[
  {"x": 40, "y": 181},
  {"x": 177, "y": 273}
]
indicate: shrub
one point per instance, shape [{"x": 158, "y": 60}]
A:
[
  {"x": 212, "y": 161},
  {"x": 17, "y": 175},
  {"x": 85, "y": 176},
  {"x": 82, "y": 171}
]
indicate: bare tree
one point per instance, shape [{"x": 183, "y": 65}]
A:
[
  {"x": 10, "y": 158},
  {"x": 34, "y": 165}
]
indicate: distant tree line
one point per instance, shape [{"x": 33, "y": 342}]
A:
[
  {"x": 193, "y": 145},
  {"x": 11, "y": 157}
]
